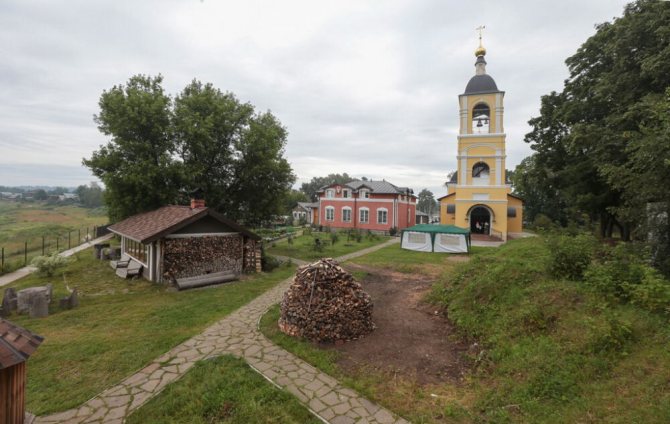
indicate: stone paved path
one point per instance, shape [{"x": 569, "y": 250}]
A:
[
  {"x": 22, "y": 272},
  {"x": 236, "y": 334}
]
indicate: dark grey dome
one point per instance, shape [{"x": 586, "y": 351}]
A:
[{"x": 481, "y": 84}]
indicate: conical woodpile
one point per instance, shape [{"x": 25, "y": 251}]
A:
[{"x": 325, "y": 304}]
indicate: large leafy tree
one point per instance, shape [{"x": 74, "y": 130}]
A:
[
  {"x": 582, "y": 136},
  {"x": 137, "y": 164},
  {"x": 204, "y": 139},
  {"x": 426, "y": 202},
  {"x": 316, "y": 183}
]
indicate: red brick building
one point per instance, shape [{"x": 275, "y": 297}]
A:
[{"x": 367, "y": 205}]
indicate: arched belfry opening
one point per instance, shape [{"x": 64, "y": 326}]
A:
[
  {"x": 480, "y": 173},
  {"x": 481, "y": 118}
]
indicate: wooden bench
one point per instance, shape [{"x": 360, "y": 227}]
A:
[
  {"x": 206, "y": 279},
  {"x": 132, "y": 269}
]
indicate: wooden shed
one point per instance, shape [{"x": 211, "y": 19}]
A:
[
  {"x": 188, "y": 246},
  {"x": 16, "y": 346}
]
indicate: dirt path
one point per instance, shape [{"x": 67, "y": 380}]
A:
[{"x": 410, "y": 340}]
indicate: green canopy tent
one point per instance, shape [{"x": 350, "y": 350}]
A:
[{"x": 436, "y": 238}]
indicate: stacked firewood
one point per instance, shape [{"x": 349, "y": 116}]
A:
[
  {"x": 186, "y": 257},
  {"x": 325, "y": 304}
]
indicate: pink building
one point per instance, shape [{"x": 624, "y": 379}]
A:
[{"x": 367, "y": 205}]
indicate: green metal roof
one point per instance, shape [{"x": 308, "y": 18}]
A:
[{"x": 432, "y": 228}]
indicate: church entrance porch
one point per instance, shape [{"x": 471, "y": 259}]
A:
[{"x": 480, "y": 220}]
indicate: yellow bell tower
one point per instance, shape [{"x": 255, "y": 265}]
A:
[{"x": 478, "y": 196}]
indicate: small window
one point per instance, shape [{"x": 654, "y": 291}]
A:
[
  {"x": 346, "y": 194},
  {"x": 365, "y": 194},
  {"x": 364, "y": 216},
  {"x": 382, "y": 216},
  {"x": 330, "y": 213},
  {"x": 346, "y": 214},
  {"x": 417, "y": 238},
  {"x": 330, "y": 193},
  {"x": 451, "y": 208},
  {"x": 511, "y": 212}
]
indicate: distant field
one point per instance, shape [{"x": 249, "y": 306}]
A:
[{"x": 29, "y": 222}]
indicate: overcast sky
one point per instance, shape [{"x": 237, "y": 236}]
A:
[{"x": 364, "y": 87}]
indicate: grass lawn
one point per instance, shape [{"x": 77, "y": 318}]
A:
[
  {"x": 223, "y": 390},
  {"x": 118, "y": 328},
  {"x": 303, "y": 247},
  {"x": 28, "y": 222},
  {"x": 549, "y": 350}
]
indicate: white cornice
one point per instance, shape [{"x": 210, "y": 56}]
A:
[{"x": 489, "y": 135}]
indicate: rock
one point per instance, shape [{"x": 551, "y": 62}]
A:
[
  {"x": 39, "y": 307},
  {"x": 72, "y": 301},
  {"x": 9, "y": 301},
  {"x": 25, "y": 297}
]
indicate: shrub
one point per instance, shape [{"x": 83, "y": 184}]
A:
[
  {"x": 290, "y": 240},
  {"x": 334, "y": 238},
  {"x": 616, "y": 271},
  {"x": 570, "y": 256},
  {"x": 653, "y": 292},
  {"x": 47, "y": 265},
  {"x": 393, "y": 231},
  {"x": 542, "y": 223},
  {"x": 318, "y": 246},
  {"x": 268, "y": 262}
]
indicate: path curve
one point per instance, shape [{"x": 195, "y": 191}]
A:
[{"x": 236, "y": 334}]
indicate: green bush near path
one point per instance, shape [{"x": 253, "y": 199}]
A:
[
  {"x": 223, "y": 390},
  {"x": 119, "y": 327}
]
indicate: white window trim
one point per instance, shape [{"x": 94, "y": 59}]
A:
[
  {"x": 330, "y": 193},
  {"x": 329, "y": 208},
  {"x": 360, "y": 215},
  {"x": 346, "y": 193},
  {"x": 346, "y": 208},
  {"x": 364, "y": 194},
  {"x": 387, "y": 215}
]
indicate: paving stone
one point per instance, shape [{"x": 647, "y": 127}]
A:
[
  {"x": 384, "y": 417},
  {"x": 98, "y": 414},
  {"x": 342, "y": 419},
  {"x": 62, "y": 416},
  {"x": 297, "y": 393},
  {"x": 316, "y": 405},
  {"x": 150, "y": 385},
  {"x": 114, "y": 401},
  {"x": 369, "y": 406},
  {"x": 116, "y": 413},
  {"x": 327, "y": 414},
  {"x": 342, "y": 408},
  {"x": 330, "y": 399}
]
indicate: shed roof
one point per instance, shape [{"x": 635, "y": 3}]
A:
[
  {"x": 16, "y": 344},
  {"x": 431, "y": 228},
  {"x": 150, "y": 226}
]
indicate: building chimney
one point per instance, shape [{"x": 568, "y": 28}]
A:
[{"x": 197, "y": 199}]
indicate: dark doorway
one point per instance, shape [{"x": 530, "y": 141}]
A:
[{"x": 480, "y": 220}]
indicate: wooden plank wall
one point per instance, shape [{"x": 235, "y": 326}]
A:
[{"x": 12, "y": 394}]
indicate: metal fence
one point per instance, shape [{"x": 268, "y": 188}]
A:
[{"x": 16, "y": 256}]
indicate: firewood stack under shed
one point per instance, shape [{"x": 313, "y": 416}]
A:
[{"x": 325, "y": 304}]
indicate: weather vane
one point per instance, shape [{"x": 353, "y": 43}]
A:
[{"x": 480, "y": 28}]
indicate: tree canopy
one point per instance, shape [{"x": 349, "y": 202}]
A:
[
  {"x": 205, "y": 139},
  {"x": 426, "y": 202},
  {"x": 316, "y": 183},
  {"x": 593, "y": 140}
]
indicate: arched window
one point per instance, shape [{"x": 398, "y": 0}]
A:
[
  {"x": 364, "y": 217},
  {"x": 481, "y": 118},
  {"x": 330, "y": 213},
  {"x": 480, "y": 173},
  {"x": 346, "y": 214}
]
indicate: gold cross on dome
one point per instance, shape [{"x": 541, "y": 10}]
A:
[{"x": 480, "y": 28}]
